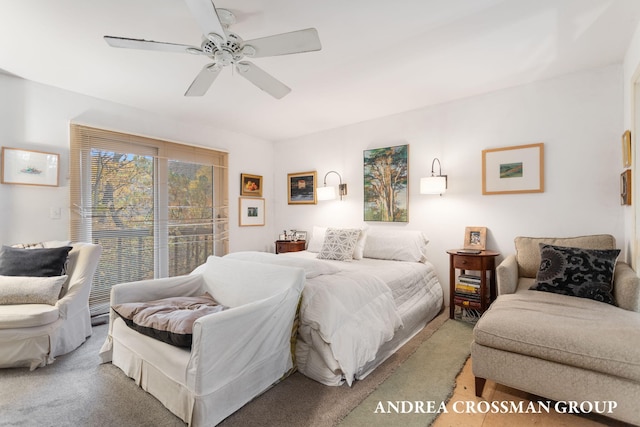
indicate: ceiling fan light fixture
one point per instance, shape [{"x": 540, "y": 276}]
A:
[
  {"x": 214, "y": 68},
  {"x": 226, "y": 17},
  {"x": 227, "y": 48},
  {"x": 248, "y": 50},
  {"x": 223, "y": 57},
  {"x": 216, "y": 39}
]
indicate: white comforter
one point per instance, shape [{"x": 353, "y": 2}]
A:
[{"x": 349, "y": 313}]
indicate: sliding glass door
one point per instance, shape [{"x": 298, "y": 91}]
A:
[{"x": 157, "y": 209}]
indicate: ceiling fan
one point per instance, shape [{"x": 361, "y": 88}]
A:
[{"x": 226, "y": 48}]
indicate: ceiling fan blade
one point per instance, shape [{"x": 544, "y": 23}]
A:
[
  {"x": 149, "y": 45},
  {"x": 286, "y": 43},
  {"x": 204, "y": 11},
  {"x": 262, "y": 79},
  {"x": 203, "y": 80}
]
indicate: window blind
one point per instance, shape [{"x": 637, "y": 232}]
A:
[{"x": 158, "y": 208}]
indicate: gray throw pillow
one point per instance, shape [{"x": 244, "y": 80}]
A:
[
  {"x": 584, "y": 273},
  {"x": 33, "y": 262},
  {"x": 339, "y": 244}
]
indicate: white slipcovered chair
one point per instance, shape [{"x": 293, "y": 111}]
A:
[
  {"x": 32, "y": 335},
  {"x": 235, "y": 354}
]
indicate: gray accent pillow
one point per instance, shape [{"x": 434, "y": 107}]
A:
[
  {"x": 584, "y": 273},
  {"x": 339, "y": 244},
  {"x": 169, "y": 319},
  {"x": 33, "y": 262},
  {"x": 30, "y": 290}
]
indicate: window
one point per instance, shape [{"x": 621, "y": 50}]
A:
[{"x": 158, "y": 208}]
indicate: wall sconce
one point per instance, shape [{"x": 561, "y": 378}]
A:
[
  {"x": 329, "y": 193},
  {"x": 434, "y": 184}
]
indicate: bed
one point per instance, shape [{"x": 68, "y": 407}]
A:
[{"x": 355, "y": 313}]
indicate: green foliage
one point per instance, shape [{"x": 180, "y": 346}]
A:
[{"x": 125, "y": 223}]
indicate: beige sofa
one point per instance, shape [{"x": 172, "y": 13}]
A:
[{"x": 560, "y": 347}]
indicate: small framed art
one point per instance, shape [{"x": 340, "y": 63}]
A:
[
  {"x": 475, "y": 238},
  {"x": 250, "y": 185},
  {"x": 251, "y": 211},
  {"x": 625, "y": 187},
  {"x": 301, "y": 188},
  {"x": 626, "y": 149},
  {"x": 510, "y": 170},
  {"x": 29, "y": 167}
]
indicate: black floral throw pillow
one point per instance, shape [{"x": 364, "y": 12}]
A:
[{"x": 584, "y": 273}]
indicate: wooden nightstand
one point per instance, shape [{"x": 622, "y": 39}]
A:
[
  {"x": 472, "y": 290},
  {"x": 283, "y": 246}
]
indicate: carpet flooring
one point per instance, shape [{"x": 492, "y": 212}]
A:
[{"x": 78, "y": 391}]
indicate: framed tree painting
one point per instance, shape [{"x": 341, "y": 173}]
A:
[
  {"x": 510, "y": 170},
  {"x": 301, "y": 188},
  {"x": 386, "y": 184}
]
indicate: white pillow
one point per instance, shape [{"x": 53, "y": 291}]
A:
[
  {"x": 317, "y": 239},
  {"x": 47, "y": 244},
  {"x": 398, "y": 245},
  {"x": 30, "y": 290},
  {"x": 358, "y": 252},
  {"x": 339, "y": 244}
]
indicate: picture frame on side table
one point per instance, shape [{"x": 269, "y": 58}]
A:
[
  {"x": 251, "y": 211},
  {"x": 626, "y": 149},
  {"x": 29, "y": 167},
  {"x": 475, "y": 238},
  {"x": 250, "y": 185},
  {"x": 625, "y": 187},
  {"x": 513, "y": 170},
  {"x": 301, "y": 188}
]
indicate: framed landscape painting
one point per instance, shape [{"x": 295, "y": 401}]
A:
[
  {"x": 301, "y": 188},
  {"x": 510, "y": 170},
  {"x": 29, "y": 167},
  {"x": 251, "y": 211},
  {"x": 386, "y": 184}
]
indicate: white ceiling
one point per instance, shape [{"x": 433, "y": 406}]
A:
[{"x": 377, "y": 59}]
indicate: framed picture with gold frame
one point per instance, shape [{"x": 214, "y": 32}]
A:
[
  {"x": 475, "y": 238},
  {"x": 625, "y": 187},
  {"x": 511, "y": 170},
  {"x": 29, "y": 167},
  {"x": 250, "y": 185},
  {"x": 301, "y": 188},
  {"x": 251, "y": 211},
  {"x": 626, "y": 149}
]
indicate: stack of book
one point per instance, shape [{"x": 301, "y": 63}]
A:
[{"x": 467, "y": 292}]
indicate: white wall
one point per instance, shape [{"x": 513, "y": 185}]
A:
[
  {"x": 631, "y": 80},
  {"x": 579, "y": 117},
  {"x": 37, "y": 117}
]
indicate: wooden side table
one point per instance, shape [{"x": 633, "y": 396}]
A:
[
  {"x": 483, "y": 262},
  {"x": 283, "y": 246}
]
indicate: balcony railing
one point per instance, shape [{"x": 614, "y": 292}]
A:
[{"x": 130, "y": 255}]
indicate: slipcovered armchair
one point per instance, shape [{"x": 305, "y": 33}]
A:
[
  {"x": 568, "y": 341},
  {"x": 33, "y": 334},
  {"x": 233, "y": 355}
]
